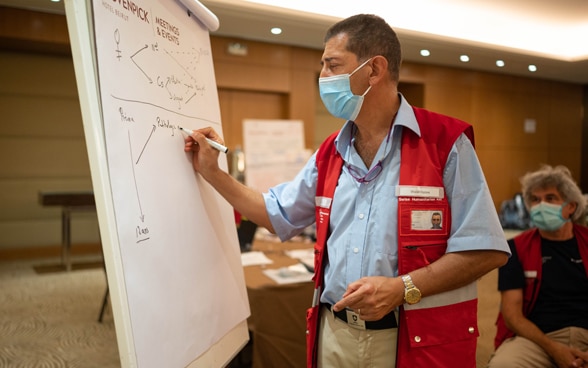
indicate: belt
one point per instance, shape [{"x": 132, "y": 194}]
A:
[{"x": 388, "y": 321}]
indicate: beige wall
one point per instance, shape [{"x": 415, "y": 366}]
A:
[
  {"x": 42, "y": 145},
  {"x": 42, "y": 148},
  {"x": 497, "y": 106}
]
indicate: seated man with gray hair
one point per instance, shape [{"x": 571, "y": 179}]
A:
[{"x": 543, "y": 319}]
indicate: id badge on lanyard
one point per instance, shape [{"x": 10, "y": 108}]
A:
[{"x": 422, "y": 211}]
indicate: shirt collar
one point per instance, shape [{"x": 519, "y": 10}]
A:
[{"x": 405, "y": 117}]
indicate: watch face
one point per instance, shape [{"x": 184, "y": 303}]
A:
[{"x": 412, "y": 296}]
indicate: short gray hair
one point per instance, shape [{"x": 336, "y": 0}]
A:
[
  {"x": 369, "y": 36},
  {"x": 560, "y": 178}
]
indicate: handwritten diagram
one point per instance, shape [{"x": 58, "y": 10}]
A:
[
  {"x": 181, "y": 85},
  {"x": 172, "y": 90},
  {"x": 166, "y": 227}
]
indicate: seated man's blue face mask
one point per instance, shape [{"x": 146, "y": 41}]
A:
[{"x": 547, "y": 216}]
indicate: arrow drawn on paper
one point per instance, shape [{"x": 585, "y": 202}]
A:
[
  {"x": 145, "y": 145},
  {"x": 137, "y": 65},
  {"x": 142, "y": 216}
]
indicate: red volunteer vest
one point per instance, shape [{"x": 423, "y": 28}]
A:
[
  {"x": 434, "y": 333},
  {"x": 528, "y": 246}
]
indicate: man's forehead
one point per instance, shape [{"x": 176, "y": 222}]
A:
[
  {"x": 336, "y": 49},
  {"x": 546, "y": 191},
  {"x": 338, "y": 58},
  {"x": 337, "y": 41}
]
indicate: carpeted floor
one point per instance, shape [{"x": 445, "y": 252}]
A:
[{"x": 49, "y": 318}]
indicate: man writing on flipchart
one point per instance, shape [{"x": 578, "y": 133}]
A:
[{"x": 388, "y": 293}]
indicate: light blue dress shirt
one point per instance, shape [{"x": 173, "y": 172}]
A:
[{"x": 363, "y": 224}]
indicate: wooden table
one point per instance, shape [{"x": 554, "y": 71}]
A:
[
  {"x": 278, "y": 312},
  {"x": 69, "y": 202}
]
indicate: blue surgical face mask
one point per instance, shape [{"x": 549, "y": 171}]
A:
[
  {"x": 547, "y": 216},
  {"x": 337, "y": 96}
]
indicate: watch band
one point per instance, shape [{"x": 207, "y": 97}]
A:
[
  {"x": 408, "y": 284},
  {"x": 412, "y": 294}
]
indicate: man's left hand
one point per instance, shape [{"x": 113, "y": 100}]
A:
[{"x": 372, "y": 297}]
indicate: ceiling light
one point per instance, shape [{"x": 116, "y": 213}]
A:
[
  {"x": 55, "y": 1},
  {"x": 532, "y": 68},
  {"x": 500, "y": 63},
  {"x": 549, "y": 36},
  {"x": 425, "y": 52},
  {"x": 464, "y": 58},
  {"x": 276, "y": 30}
]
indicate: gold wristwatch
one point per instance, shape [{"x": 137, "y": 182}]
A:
[{"x": 412, "y": 294}]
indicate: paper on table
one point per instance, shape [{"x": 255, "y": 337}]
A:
[
  {"x": 306, "y": 256},
  {"x": 254, "y": 258},
  {"x": 289, "y": 275}
]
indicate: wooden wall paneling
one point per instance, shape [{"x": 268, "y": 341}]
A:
[
  {"x": 32, "y": 157},
  {"x": 258, "y": 53},
  {"x": 224, "y": 100},
  {"x": 497, "y": 165},
  {"x": 42, "y": 147},
  {"x": 302, "y": 98},
  {"x": 449, "y": 99},
  {"x": 265, "y": 67},
  {"x": 565, "y": 115},
  {"x": 38, "y": 93},
  {"x": 525, "y": 160},
  {"x": 569, "y": 158},
  {"x": 453, "y": 78},
  {"x": 411, "y": 72},
  {"x": 306, "y": 59},
  {"x": 34, "y": 74},
  {"x": 413, "y": 92},
  {"x": 41, "y": 116},
  {"x": 500, "y": 131},
  {"x": 237, "y": 105},
  {"x": 26, "y": 30},
  {"x": 532, "y": 85},
  {"x": 491, "y": 119},
  {"x": 305, "y": 98},
  {"x": 249, "y": 105},
  {"x": 494, "y": 82},
  {"x": 232, "y": 133},
  {"x": 501, "y": 116},
  {"x": 445, "y": 90},
  {"x": 503, "y": 169},
  {"x": 252, "y": 77},
  {"x": 533, "y": 106},
  {"x": 304, "y": 90}
]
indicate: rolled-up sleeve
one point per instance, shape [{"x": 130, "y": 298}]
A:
[
  {"x": 474, "y": 220},
  {"x": 290, "y": 205}
]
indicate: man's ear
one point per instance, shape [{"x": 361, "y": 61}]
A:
[
  {"x": 574, "y": 207},
  {"x": 379, "y": 68}
]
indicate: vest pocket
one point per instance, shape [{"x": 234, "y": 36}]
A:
[
  {"x": 417, "y": 256},
  {"x": 442, "y": 325}
]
